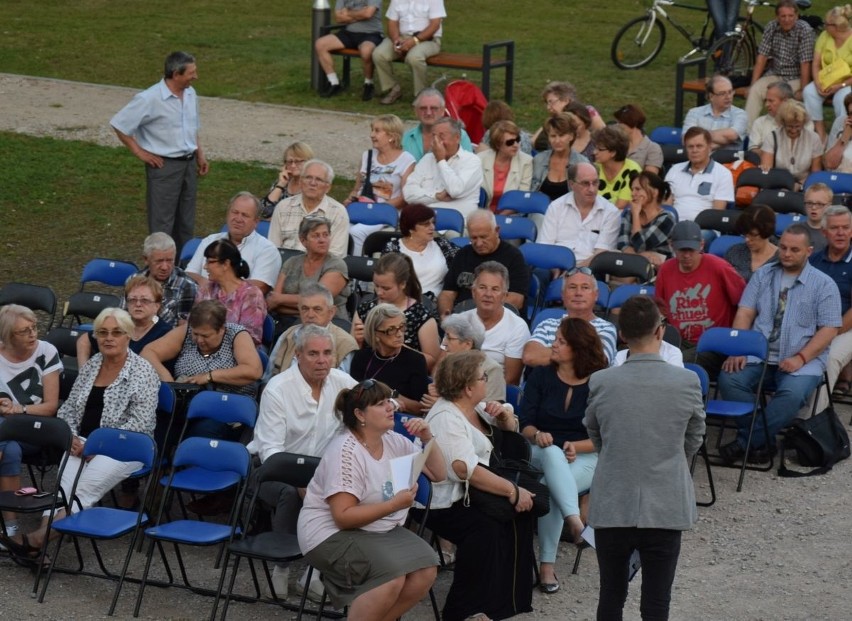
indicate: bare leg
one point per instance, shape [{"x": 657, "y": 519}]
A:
[
  {"x": 417, "y": 585},
  {"x": 375, "y": 603},
  {"x": 324, "y": 46},
  {"x": 546, "y": 573},
  {"x": 9, "y": 484},
  {"x": 366, "y": 51}
]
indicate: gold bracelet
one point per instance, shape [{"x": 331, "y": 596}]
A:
[{"x": 417, "y": 42}]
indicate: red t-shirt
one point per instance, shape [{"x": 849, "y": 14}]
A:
[{"x": 705, "y": 298}]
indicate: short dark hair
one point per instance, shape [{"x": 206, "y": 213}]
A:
[
  {"x": 786, "y": 4},
  {"x": 412, "y": 215},
  {"x": 756, "y": 217},
  {"x": 563, "y": 123},
  {"x": 800, "y": 229},
  {"x": 639, "y": 317},
  {"x": 496, "y": 110},
  {"x": 694, "y": 131},
  {"x": 631, "y": 115},
  {"x": 226, "y": 250},
  {"x": 580, "y": 111},
  {"x": 612, "y": 139},
  {"x": 176, "y": 63},
  {"x": 210, "y": 313},
  {"x": 362, "y": 395}
]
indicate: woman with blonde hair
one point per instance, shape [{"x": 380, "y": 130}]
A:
[
  {"x": 288, "y": 182},
  {"x": 831, "y": 78},
  {"x": 504, "y": 166},
  {"x": 792, "y": 146}
]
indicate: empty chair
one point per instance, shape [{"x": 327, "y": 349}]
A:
[
  {"x": 621, "y": 265},
  {"x": 87, "y": 304},
  {"x": 722, "y": 220},
  {"x": 781, "y": 201},
  {"x": 664, "y": 135},
  {"x": 360, "y": 268},
  {"x": 373, "y": 213},
  {"x": 34, "y": 297},
  {"x": 704, "y": 380},
  {"x": 673, "y": 154},
  {"x": 376, "y": 241},
  {"x": 548, "y": 256},
  {"x": 447, "y": 219},
  {"x": 516, "y": 227},
  {"x": 774, "y": 178},
  {"x": 524, "y": 202},
  {"x": 107, "y": 271},
  {"x": 783, "y": 220},
  {"x": 840, "y": 183}
]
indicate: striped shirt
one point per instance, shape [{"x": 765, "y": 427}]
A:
[{"x": 545, "y": 334}]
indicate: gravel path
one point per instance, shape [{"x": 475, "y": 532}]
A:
[{"x": 779, "y": 550}]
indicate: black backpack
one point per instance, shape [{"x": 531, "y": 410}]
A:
[{"x": 819, "y": 442}]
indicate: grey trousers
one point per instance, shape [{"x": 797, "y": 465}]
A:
[{"x": 171, "y": 199}]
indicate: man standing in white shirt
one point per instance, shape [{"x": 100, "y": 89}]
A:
[
  {"x": 581, "y": 220},
  {"x": 701, "y": 183},
  {"x": 449, "y": 176}
]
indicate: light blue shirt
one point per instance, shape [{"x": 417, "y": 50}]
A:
[
  {"x": 813, "y": 302},
  {"x": 733, "y": 117},
  {"x": 160, "y": 121},
  {"x": 412, "y": 141}
]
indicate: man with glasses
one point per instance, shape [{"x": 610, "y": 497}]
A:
[
  {"x": 700, "y": 183},
  {"x": 785, "y": 53},
  {"x": 579, "y": 295},
  {"x": 429, "y": 106},
  {"x": 179, "y": 290},
  {"x": 262, "y": 256},
  {"x": 817, "y": 198},
  {"x": 726, "y": 123},
  {"x": 447, "y": 176},
  {"x": 581, "y": 220},
  {"x": 296, "y": 415},
  {"x": 797, "y": 308},
  {"x": 314, "y": 200}
]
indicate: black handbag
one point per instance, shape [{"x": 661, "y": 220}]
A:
[
  {"x": 819, "y": 442},
  {"x": 367, "y": 186}
]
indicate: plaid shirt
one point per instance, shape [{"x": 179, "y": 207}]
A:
[
  {"x": 787, "y": 51},
  {"x": 653, "y": 237},
  {"x": 179, "y": 292}
]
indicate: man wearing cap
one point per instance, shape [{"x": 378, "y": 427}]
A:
[{"x": 699, "y": 291}]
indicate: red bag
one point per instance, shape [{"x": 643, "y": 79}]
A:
[{"x": 744, "y": 194}]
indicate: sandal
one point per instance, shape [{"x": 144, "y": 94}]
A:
[
  {"x": 841, "y": 388},
  {"x": 448, "y": 556},
  {"x": 23, "y": 554}
]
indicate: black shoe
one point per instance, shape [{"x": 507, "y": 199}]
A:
[
  {"x": 732, "y": 453},
  {"x": 761, "y": 455},
  {"x": 367, "y": 93},
  {"x": 331, "y": 90}
]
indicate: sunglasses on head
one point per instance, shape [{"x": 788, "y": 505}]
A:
[
  {"x": 367, "y": 384},
  {"x": 580, "y": 270}
]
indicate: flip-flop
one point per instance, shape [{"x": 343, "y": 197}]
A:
[{"x": 841, "y": 388}]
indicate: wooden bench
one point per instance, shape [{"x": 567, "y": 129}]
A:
[
  {"x": 484, "y": 63},
  {"x": 696, "y": 86}
]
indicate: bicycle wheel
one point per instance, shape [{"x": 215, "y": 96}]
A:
[
  {"x": 638, "y": 42},
  {"x": 733, "y": 56}
]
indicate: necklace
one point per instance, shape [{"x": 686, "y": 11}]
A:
[{"x": 378, "y": 358}]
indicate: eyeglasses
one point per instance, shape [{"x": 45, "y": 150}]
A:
[
  {"x": 552, "y": 102},
  {"x": 447, "y": 337},
  {"x": 367, "y": 384},
  {"x": 393, "y": 330},
  {"x": 723, "y": 93},
  {"x": 311, "y": 180},
  {"x": 587, "y": 184},
  {"x": 293, "y": 162},
  {"x": 663, "y": 322},
  {"x": 142, "y": 301},
  {"x": 511, "y": 142},
  {"x": 115, "y": 333},
  {"x": 810, "y": 204},
  {"x": 429, "y": 108},
  {"x": 209, "y": 260},
  {"x": 484, "y": 377},
  {"x": 26, "y": 331},
  {"x": 580, "y": 270}
]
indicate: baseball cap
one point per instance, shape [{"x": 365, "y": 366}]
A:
[{"x": 686, "y": 234}]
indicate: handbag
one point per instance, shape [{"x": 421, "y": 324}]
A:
[
  {"x": 367, "y": 187},
  {"x": 819, "y": 442},
  {"x": 833, "y": 73}
]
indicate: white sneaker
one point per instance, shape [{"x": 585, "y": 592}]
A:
[
  {"x": 281, "y": 580},
  {"x": 11, "y": 531},
  {"x": 316, "y": 590}
]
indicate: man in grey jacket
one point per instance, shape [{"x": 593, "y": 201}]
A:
[{"x": 642, "y": 496}]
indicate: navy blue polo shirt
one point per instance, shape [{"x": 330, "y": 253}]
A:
[{"x": 840, "y": 271}]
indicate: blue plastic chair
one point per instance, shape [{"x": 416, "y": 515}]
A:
[
  {"x": 373, "y": 213},
  {"x": 106, "y": 523},
  {"x": 268, "y": 337},
  {"x": 620, "y": 295},
  {"x": 783, "y": 220},
  {"x": 548, "y": 256},
  {"x": 461, "y": 242},
  {"x": 263, "y": 228},
  {"x": 514, "y": 395},
  {"x": 108, "y": 272},
  {"x": 546, "y": 313},
  {"x": 516, "y": 227},
  {"x": 732, "y": 342},
  {"x": 188, "y": 250},
  {"x": 840, "y": 183},
  {"x": 667, "y": 135},
  {"x": 704, "y": 381},
  {"x": 229, "y": 461},
  {"x": 723, "y": 243},
  {"x": 447, "y": 219},
  {"x": 524, "y": 202},
  {"x": 483, "y": 198},
  {"x": 399, "y": 419}
]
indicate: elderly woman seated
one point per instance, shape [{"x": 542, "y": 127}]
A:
[
  {"x": 351, "y": 524},
  {"x": 792, "y": 146},
  {"x": 493, "y": 577},
  {"x": 115, "y": 388},
  {"x": 316, "y": 265},
  {"x": 386, "y": 358}
]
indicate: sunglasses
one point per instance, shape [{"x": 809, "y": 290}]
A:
[
  {"x": 511, "y": 142},
  {"x": 367, "y": 384},
  {"x": 580, "y": 270}
]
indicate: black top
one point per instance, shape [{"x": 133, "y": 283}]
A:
[
  {"x": 543, "y": 406},
  {"x": 405, "y": 373},
  {"x": 460, "y": 276},
  {"x": 94, "y": 409},
  {"x": 554, "y": 189}
]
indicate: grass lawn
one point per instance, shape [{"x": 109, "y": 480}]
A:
[{"x": 70, "y": 201}]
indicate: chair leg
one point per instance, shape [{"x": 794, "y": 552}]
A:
[
  {"x": 221, "y": 583},
  {"x": 305, "y": 592},
  {"x": 576, "y": 569},
  {"x": 123, "y": 573},
  {"x": 230, "y": 587},
  {"x": 49, "y": 571},
  {"x": 144, "y": 580}
]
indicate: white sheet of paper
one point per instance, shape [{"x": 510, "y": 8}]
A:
[{"x": 406, "y": 469}]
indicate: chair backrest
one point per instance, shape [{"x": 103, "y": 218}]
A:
[
  {"x": 781, "y": 201},
  {"x": 461, "y": 242},
  {"x": 290, "y": 468},
  {"x": 724, "y": 156},
  {"x": 64, "y": 340},
  {"x": 516, "y": 227},
  {"x": 672, "y": 211},
  {"x": 360, "y": 268},
  {"x": 783, "y": 220},
  {"x": 620, "y": 295},
  {"x": 166, "y": 399},
  {"x": 376, "y": 241},
  {"x": 268, "y": 337},
  {"x": 621, "y": 265},
  {"x": 399, "y": 419},
  {"x": 772, "y": 178},
  {"x": 34, "y": 297},
  {"x": 673, "y": 154},
  {"x": 262, "y": 228},
  {"x": 703, "y": 377},
  {"x": 447, "y": 219},
  {"x": 89, "y": 304},
  {"x": 373, "y": 213},
  {"x": 722, "y": 244},
  {"x": 264, "y": 358},
  {"x": 214, "y": 455},
  {"x": 667, "y": 135},
  {"x": 483, "y": 198},
  {"x": 43, "y": 431},
  {"x": 733, "y": 342},
  {"x": 722, "y": 220},
  {"x": 514, "y": 394},
  {"x": 524, "y": 202},
  {"x": 286, "y": 253},
  {"x": 107, "y": 271},
  {"x": 840, "y": 183},
  {"x": 548, "y": 256},
  {"x": 121, "y": 445},
  {"x": 223, "y": 407},
  {"x": 188, "y": 251},
  {"x": 546, "y": 313}
]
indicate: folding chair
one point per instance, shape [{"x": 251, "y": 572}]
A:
[
  {"x": 516, "y": 227},
  {"x": 376, "y": 242},
  {"x": 673, "y": 154},
  {"x": 461, "y": 242},
  {"x": 286, "y": 253},
  {"x": 840, "y": 183},
  {"x": 65, "y": 341},
  {"x": 722, "y": 220},
  {"x": 621, "y": 265},
  {"x": 399, "y": 419},
  {"x": 34, "y": 297},
  {"x": 781, "y": 201},
  {"x": 106, "y": 523},
  {"x": 783, "y": 220},
  {"x": 731, "y": 342},
  {"x": 373, "y": 213},
  {"x": 267, "y": 339},
  {"x": 360, "y": 268},
  {"x": 548, "y": 256},
  {"x": 447, "y": 219},
  {"x": 546, "y": 313},
  {"x": 202, "y": 458},
  {"x": 424, "y": 497},
  {"x": 672, "y": 211},
  {"x": 483, "y": 198},
  {"x": 620, "y": 295},
  {"x": 53, "y": 437},
  {"x": 724, "y": 156},
  {"x": 704, "y": 380},
  {"x": 720, "y": 246},
  {"x": 523, "y": 202},
  {"x": 87, "y": 304},
  {"x": 187, "y": 252},
  {"x": 108, "y": 272},
  {"x": 667, "y": 135},
  {"x": 262, "y": 228},
  {"x": 514, "y": 395},
  {"x": 269, "y": 547},
  {"x": 774, "y": 178}
]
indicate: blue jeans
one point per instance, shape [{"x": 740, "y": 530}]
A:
[
  {"x": 724, "y": 13},
  {"x": 791, "y": 392},
  {"x": 564, "y": 481}
]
